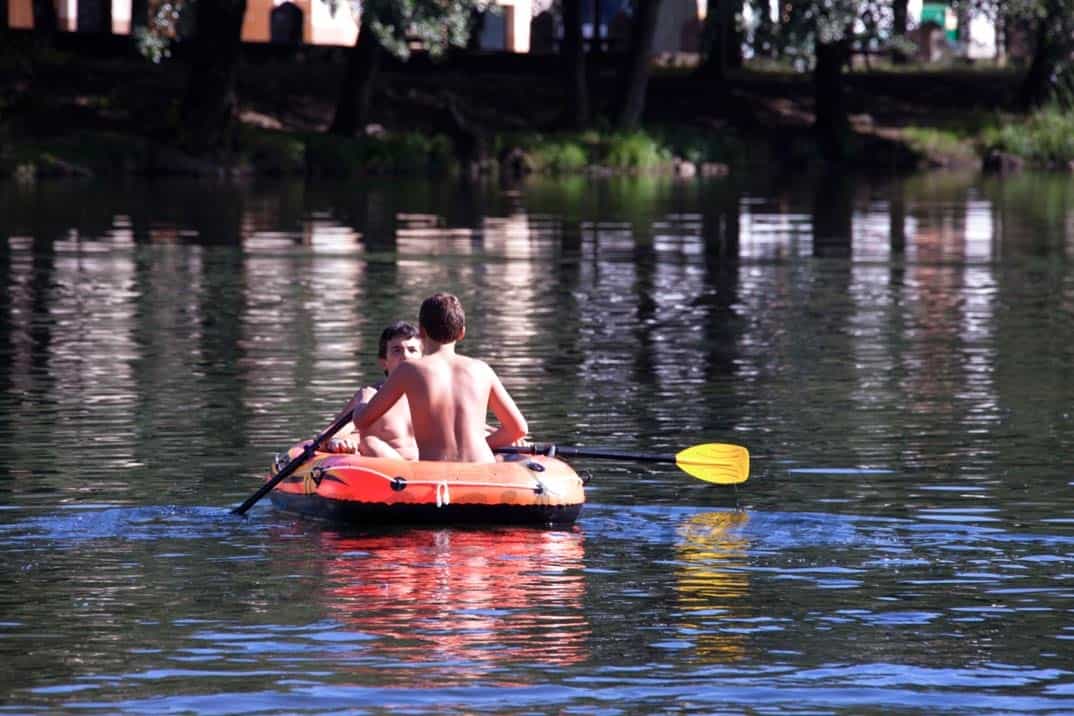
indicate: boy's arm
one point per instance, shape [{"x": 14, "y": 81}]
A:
[
  {"x": 394, "y": 388},
  {"x": 512, "y": 425},
  {"x": 346, "y": 440}
]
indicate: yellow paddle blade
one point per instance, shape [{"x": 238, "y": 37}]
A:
[{"x": 715, "y": 462}]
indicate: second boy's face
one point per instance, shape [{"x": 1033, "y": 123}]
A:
[{"x": 399, "y": 350}]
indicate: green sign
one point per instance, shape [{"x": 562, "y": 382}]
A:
[{"x": 943, "y": 16}]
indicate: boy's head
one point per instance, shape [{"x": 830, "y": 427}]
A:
[
  {"x": 442, "y": 319},
  {"x": 398, "y": 342}
]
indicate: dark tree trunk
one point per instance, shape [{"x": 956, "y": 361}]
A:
[
  {"x": 636, "y": 78},
  {"x": 477, "y": 26},
  {"x": 94, "y": 16},
  {"x": 897, "y": 218},
  {"x": 1002, "y": 30},
  {"x": 962, "y": 15},
  {"x": 46, "y": 23},
  {"x": 359, "y": 78},
  {"x": 574, "y": 65},
  {"x": 831, "y": 112},
  {"x": 139, "y": 14},
  {"x": 833, "y": 210},
  {"x": 733, "y": 47},
  {"x": 900, "y": 14},
  {"x": 209, "y": 104},
  {"x": 721, "y": 41},
  {"x": 1036, "y": 87},
  {"x": 763, "y": 36},
  {"x": 597, "y": 44}
]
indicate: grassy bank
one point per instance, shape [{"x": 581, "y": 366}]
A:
[
  {"x": 257, "y": 151},
  {"x": 1043, "y": 139},
  {"x": 69, "y": 115}
]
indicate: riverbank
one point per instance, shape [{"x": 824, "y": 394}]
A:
[{"x": 72, "y": 114}]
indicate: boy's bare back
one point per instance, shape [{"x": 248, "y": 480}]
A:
[
  {"x": 449, "y": 397},
  {"x": 449, "y": 394}
]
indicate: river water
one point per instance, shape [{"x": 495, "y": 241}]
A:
[{"x": 897, "y": 356}]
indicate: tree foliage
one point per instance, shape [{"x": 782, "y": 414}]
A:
[{"x": 435, "y": 25}]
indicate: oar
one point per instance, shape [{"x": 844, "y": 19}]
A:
[
  {"x": 295, "y": 463},
  {"x": 720, "y": 463}
]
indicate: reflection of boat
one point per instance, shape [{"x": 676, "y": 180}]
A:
[
  {"x": 711, "y": 586},
  {"x": 531, "y": 489},
  {"x": 460, "y": 601}
]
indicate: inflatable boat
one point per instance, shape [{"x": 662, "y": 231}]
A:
[{"x": 522, "y": 489}]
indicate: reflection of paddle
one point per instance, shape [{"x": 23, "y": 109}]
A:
[
  {"x": 720, "y": 463},
  {"x": 290, "y": 467}
]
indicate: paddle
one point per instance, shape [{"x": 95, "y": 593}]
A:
[
  {"x": 296, "y": 463},
  {"x": 719, "y": 463}
]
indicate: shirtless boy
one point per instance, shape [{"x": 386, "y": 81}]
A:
[
  {"x": 391, "y": 435},
  {"x": 449, "y": 394}
]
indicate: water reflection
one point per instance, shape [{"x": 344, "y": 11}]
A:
[
  {"x": 895, "y": 354},
  {"x": 712, "y": 586},
  {"x": 463, "y": 601}
]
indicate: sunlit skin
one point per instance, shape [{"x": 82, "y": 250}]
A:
[
  {"x": 392, "y": 435},
  {"x": 449, "y": 397}
]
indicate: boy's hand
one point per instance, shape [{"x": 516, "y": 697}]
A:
[{"x": 342, "y": 445}]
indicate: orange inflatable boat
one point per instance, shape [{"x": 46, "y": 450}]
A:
[{"x": 523, "y": 489}]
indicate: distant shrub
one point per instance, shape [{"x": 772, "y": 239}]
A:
[
  {"x": 273, "y": 152},
  {"x": 933, "y": 142},
  {"x": 635, "y": 150},
  {"x": 1046, "y": 137},
  {"x": 389, "y": 153},
  {"x": 559, "y": 155}
]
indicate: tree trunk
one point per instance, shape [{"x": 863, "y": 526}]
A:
[
  {"x": 833, "y": 210},
  {"x": 209, "y": 104},
  {"x": 962, "y": 15},
  {"x": 596, "y": 45},
  {"x": 359, "y": 79},
  {"x": 1002, "y": 21},
  {"x": 139, "y": 14},
  {"x": 900, "y": 15},
  {"x": 636, "y": 78},
  {"x": 1037, "y": 85},
  {"x": 46, "y": 23},
  {"x": 94, "y": 16},
  {"x": 831, "y": 113},
  {"x": 721, "y": 40},
  {"x": 763, "y": 45},
  {"x": 477, "y": 26},
  {"x": 574, "y": 65}
]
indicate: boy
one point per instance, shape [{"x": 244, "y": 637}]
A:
[
  {"x": 449, "y": 394},
  {"x": 392, "y": 435}
]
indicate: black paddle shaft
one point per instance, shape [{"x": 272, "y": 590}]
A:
[
  {"x": 549, "y": 449},
  {"x": 294, "y": 464}
]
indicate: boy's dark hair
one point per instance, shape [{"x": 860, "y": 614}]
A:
[
  {"x": 442, "y": 318},
  {"x": 396, "y": 329}
]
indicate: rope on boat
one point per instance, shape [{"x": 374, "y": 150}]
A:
[{"x": 443, "y": 493}]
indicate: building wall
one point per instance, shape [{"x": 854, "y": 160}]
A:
[
  {"x": 673, "y": 18},
  {"x": 20, "y": 14},
  {"x": 121, "y": 17},
  {"x": 326, "y": 29}
]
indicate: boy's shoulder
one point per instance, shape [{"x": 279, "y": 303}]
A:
[{"x": 470, "y": 362}]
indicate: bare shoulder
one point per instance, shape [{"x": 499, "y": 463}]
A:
[{"x": 474, "y": 363}]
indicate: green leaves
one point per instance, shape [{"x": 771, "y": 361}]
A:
[{"x": 435, "y": 25}]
